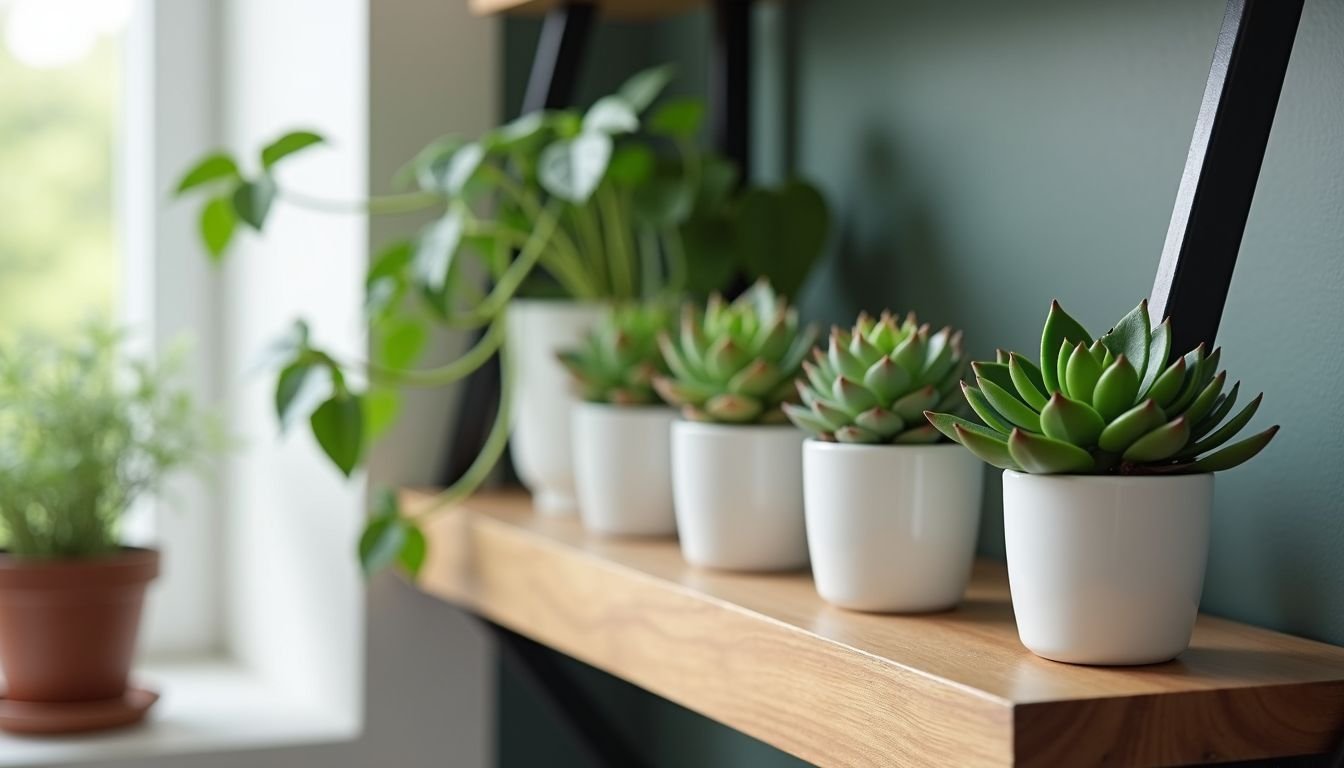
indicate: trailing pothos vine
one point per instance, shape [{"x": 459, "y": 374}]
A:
[{"x": 613, "y": 203}]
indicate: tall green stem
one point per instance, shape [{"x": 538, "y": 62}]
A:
[
  {"x": 495, "y": 443},
  {"x": 457, "y": 370},
  {"x": 622, "y": 281},
  {"x": 389, "y": 205}
]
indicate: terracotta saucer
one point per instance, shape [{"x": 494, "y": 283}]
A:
[{"x": 77, "y": 716}]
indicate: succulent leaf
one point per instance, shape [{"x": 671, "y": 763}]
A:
[
  {"x": 1131, "y": 337},
  {"x": 879, "y": 378},
  {"x": 1220, "y": 411},
  {"x": 1225, "y": 432},
  {"x": 1130, "y": 426},
  {"x": 1082, "y": 374},
  {"x": 990, "y": 448},
  {"x": 806, "y": 419},
  {"x": 1071, "y": 421},
  {"x": 1159, "y": 349},
  {"x": 911, "y": 405},
  {"x": 617, "y": 362},
  {"x": 924, "y": 435},
  {"x": 1168, "y": 384},
  {"x": 1206, "y": 399},
  {"x": 1026, "y": 378},
  {"x": 736, "y": 362},
  {"x": 881, "y": 422},
  {"x": 1116, "y": 389},
  {"x": 1043, "y": 455},
  {"x": 1161, "y": 443},
  {"x": 1010, "y": 406},
  {"x": 1235, "y": 454},
  {"x": 1115, "y": 405},
  {"x": 976, "y": 399},
  {"x": 1061, "y": 367},
  {"x": 1059, "y": 326}
]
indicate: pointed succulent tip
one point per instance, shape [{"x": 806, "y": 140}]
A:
[{"x": 1054, "y": 305}]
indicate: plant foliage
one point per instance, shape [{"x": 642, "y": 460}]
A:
[
  {"x": 735, "y": 362},
  {"x": 618, "y": 361},
  {"x": 613, "y": 203},
  {"x": 84, "y": 433},
  {"x": 1113, "y": 405},
  {"x": 873, "y": 384}
]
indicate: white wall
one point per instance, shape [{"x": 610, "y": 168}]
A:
[{"x": 379, "y": 79}]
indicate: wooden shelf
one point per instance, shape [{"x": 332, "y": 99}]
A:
[
  {"x": 765, "y": 655},
  {"x": 625, "y": 10}
]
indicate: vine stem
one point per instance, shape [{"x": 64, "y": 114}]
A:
[
  {"x": 384, "y": 205},
  {"x": 491, "y": 451},
  {"x": 455, "y": 371}
]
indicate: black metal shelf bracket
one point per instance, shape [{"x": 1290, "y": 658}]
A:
[
  {"x": 1221, "y": 170},
  {"x": 730, "y": 82}
]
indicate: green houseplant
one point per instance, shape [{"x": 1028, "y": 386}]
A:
[
  {"x": 610, "y": 203},
  {"x": 891, "y": 513},
  {"x": 621, "y": 429},
  {"x": 84, "y": 433},
  {"x": 1108, "y": 447},
  {"x": 736, "y": 462}
]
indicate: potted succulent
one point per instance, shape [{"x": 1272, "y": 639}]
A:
[
  {"x": 83, "y": 435},
  {"x": 622, "y": 459},
  {"x": 892, "y": 508},
  {"x": 1108, "y": 449},
  {"x": 564, "y": 212},
  {"x": 736, "y": 461}
]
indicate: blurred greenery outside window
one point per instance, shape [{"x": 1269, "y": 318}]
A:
[{"x": 61, "y": 88}]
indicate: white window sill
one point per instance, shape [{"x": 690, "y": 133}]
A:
[{"x": 205, "y": 706}]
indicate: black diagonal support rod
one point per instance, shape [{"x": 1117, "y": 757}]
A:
[
  {"x": 730, "y": 82},
  {"x": 550, "y": 84},
  {"x": 555, "y": 65},
  {"x": 1222, "y": 168}
]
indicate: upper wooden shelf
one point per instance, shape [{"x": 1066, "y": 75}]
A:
[
  {"x": 628, "y": 10},
  {"x": 765, "y": 655}
]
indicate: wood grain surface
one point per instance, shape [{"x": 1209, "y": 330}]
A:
[{"x": 765, "y": 655}]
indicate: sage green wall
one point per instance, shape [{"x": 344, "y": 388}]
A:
[{"x": 985, "y": 157}]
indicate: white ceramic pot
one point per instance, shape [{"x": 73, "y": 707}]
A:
[
  {"x": 891, "y": 528},
  {"x": 1106, "y": 569},
  {"x": 623, "y": 468},
  {"x": 542, "y": 395},
  {"x": 739, "y": 496}
]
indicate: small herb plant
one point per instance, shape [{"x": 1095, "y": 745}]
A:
[
  {"x": 735, "y": 363},
  {"x": 84, "y": 433},
  {"x": 874, "y": 383},
  {"x": 1110, "y": 406},
  {"x": 618, "y": 361},
  {"x": 613, "y": 203}
]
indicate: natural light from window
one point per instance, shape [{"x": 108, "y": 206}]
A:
[{"x": 61, "y": 85}]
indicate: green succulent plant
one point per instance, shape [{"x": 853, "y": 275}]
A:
[
  {"x": 874, "y": 383},
  {"x": 617, "y": 361},
  {"x": 1110, "y": 406},
  {"x": 735, "y": 363}
]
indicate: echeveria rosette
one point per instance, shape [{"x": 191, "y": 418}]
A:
[
  {"x": 874, "y": 383},
  {"x": 735, "y": 363},
  {"x": 617, "y": 362},
  {"x": 1110, "y": 406}
]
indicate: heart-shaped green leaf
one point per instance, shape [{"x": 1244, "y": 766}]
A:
[
  {"x": 287, "y": 145},
  {"x": 211, "y": 168},
  {"x": 572, "y": 169},
  {"x": 338, "y": 425},
  {"x": 252, "y": 201}
]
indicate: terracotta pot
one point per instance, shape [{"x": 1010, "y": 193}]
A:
[{"x": 68, "y": 628}]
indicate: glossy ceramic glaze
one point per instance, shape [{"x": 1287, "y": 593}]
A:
[
  {"x": 739, "y": 496},
  {"x": 542, "y": 396},
  {"x": 623, "y": 468},
  {"x": 1106, "y": 569},
  {"x": 891, "y": 528}
]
